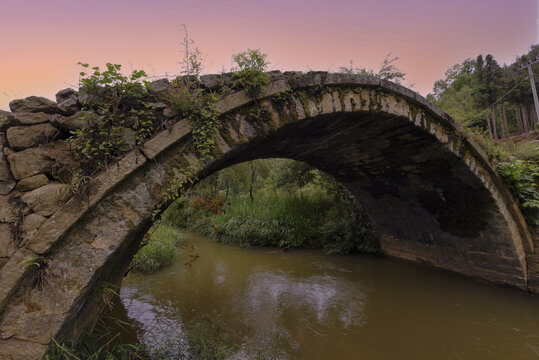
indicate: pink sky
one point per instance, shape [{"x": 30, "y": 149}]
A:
[{"x": 42, "y": 41}]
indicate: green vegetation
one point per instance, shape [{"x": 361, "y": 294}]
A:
[
  {"x": 278, "y": 203},
  {"x": 388, "y": 70},
  {"x": 494, "y": 105},
  {"x": 119, "y": 115},
  {"x": 522, "y": 178},
  {"x": 103, "y": 342},
  {"x": 250, "y": 73},
  {"x": 159, "y": 248}
]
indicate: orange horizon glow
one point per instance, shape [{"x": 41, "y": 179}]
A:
[{"x": 41, "y": 42}]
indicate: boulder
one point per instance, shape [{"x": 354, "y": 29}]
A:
[
  {"x": 6, "y": 213},
  {"x": 32, "y": 182},
  {"x": 34, "y": 104},
  {"x": 47, "y": 199},
  {"x": 69, "y": 107},
  {"x": 5, "y": 173},
  {"x": 23, "y": 137},
  {"x": 159, "y": 88},
  {"x": 211, "y": 81},
  {"x": 68, "y": 101},
  {"x": 157, "y": 105},
  {"x": 31, "y": 224},
  {"x": 6, "y": 120},
  {"x": 6, "y": 186},
  {"x": 39, "y": 160},
  {"x": 169, "y": 113},
  {"x": 7, "y": 245},
  {"x": 65, "y": 94},
  {"x": 128, "y": 137},
  {"x": 76, "y": 121},
  {"x": 28, "y": 118}
]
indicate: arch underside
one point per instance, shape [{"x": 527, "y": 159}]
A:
[{"x": 425, "y": 202}]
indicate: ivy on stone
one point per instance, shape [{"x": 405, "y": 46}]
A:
[{"x": 118, "y": 115}]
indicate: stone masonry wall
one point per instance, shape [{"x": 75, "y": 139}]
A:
[{"x": 91, "y": 242}]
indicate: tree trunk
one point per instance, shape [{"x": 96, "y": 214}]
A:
[
  {"x": 520, "y": 130},
  {"x": 501, "y": 122},
  {"x": 253, "y": 179},
  {"x": 533, "y": 124},
  {"x": 505, "y": 120},
  {"x": 493, "y": 113},
  {"x": 524, "y": 118},
  {"x": 489, "y": 126}
]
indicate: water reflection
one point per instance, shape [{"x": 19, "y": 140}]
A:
[{"x": 304, "y": 305}]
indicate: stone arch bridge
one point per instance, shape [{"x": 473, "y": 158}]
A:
[{"x": 431, "y": 192}]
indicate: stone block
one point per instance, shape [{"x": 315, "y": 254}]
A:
[
  {"x": 47, "y": 199},
  {"x": 6, "y": 120},
  {"x": 32, "y": 182},
  {"x": 79, "y": 120},
  {"x": 28, "y": 118},
  {"x": 6, "y": 186},
  {"x": 34, "y": 104},
  {"x": 7, "y": 245},
  {"x": 23, "y": 137},
  {"x": 42, "y": 160},
  {"x": 65, "y": 94}
]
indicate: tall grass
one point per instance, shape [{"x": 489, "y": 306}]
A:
[
  {"x": 160, "y": 249},
  {"x": 312, "y": 220}
]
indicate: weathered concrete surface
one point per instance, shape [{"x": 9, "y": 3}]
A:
[{"x": 431, "y": 193}]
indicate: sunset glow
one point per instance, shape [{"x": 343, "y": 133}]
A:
[{"x": 42, "y": 41}]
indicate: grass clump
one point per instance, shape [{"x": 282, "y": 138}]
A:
[
  {"x": 302, "y": 220},
  {"x": 159, "y": 250}
]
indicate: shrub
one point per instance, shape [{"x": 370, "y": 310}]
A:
[
  {"x": 160, "y": 249},
  {"x": 119, "y": 106},
  {"x": 250, "y": 71},
  {"x": 522, "y": 178}
]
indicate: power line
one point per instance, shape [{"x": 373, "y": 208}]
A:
[{"x": 500, "y": 98}]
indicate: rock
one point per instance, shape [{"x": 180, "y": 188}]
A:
[
  {"x": 6, "y": 213},
  {"x": 159, "y": 88},
  {"x": 128, "y": 137},
  {"x": 6, "y": 120},
  {"x": 34, "y": 104},
  {"x": 69, "y": 107},
  {"x": 157, "y": 105},
  {"x": 211, "y": 81},
  {"x": 65, "y": 94},
  {"x": 6, "y": 186},
  {"x": 169, "y": 113},
  {"x": 76, "y": 121},
  {"x": 31, "y": 224},
  {"x": 7, "y": 245},
  {"x": 28, "y": 118},
  {"x": 5, "y": 173},
  {"x": 47, "y": 199},
  {"x": 40, "y": 160},
  {"x": 68, "y": 101},
  {"x": 32, "y": 182},
  {"x": 3, "y": 141},
  {"x": 23, "y": 137},
  {"x": 83, "y": 97}
]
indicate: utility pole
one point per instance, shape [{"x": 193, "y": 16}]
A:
[{"x": 530, "y": 74}]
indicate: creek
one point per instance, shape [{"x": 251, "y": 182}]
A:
[{"x": 302, "y": 304}]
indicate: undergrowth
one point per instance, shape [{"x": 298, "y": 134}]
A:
[
  {"x": 159, "y": 250},
  {"x": 281, "y": 220}
]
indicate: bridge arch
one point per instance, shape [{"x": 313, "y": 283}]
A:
[{"x": 431, "y": 192}]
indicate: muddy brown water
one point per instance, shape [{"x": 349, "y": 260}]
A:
[{"x": 302, "y": 304}]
